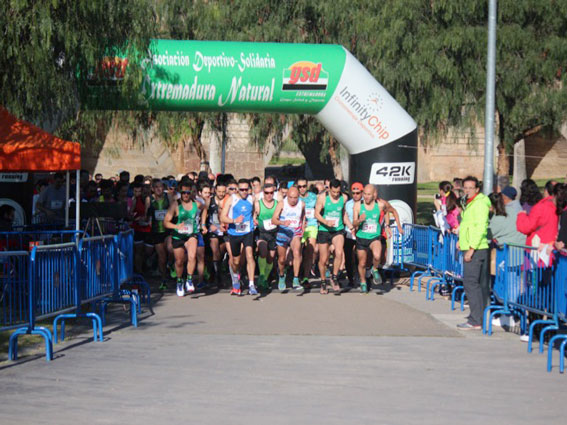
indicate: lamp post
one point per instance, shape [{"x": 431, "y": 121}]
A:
[{"x": 490, "y": 100}]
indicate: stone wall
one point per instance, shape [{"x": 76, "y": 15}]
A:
[
  {"x": 458, "y": 154},
  {"x": 461, "y": 153},
  {"x": 120, "y": 152}
]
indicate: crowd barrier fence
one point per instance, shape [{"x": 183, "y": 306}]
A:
[
  {"x": 525, "y": 281},
  {"x": 58, "y": 280}
]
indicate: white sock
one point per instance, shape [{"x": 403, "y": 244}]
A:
[{"x": 251, "y": 283}]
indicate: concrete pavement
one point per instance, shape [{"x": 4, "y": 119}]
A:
[{"x": 284, "y": 358}]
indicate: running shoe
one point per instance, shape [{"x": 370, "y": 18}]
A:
[
  {"x": 163, "y": 286},
  {"x": 305, "y": 283},
  {"x": 296, "y": 285},
  {"x": 281, "y": 283},
  {"x": 235, "y": 291},
  {"x": 376, "y": 276},
  {"x": 363, "y": 288},
  {"x": 252, "y": 290},
  {"x": 201, "y": 285},
  {"x": 189, "y": 288},
  {"x": 180, "y": 289}
]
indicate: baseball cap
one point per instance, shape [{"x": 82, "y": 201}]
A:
[
  {"x": 357, "y": 186},
  {"x": 509, "y": 192}
]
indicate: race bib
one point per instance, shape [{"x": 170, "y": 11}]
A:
[
  {"x": 333, "y": 221},
  {"x": 243, "y": 227},
  {"x": 187, "y": 228},
  {"x": 294, "y": 223},
  {"x": 215, "y": 219},
  {"x": 268, "y": 225},
  {"x": 55, "y": 205},
  {"x": 369, "y": 227},
  {"x": 310, "y": 212},
  {"x": 159, "y": 215}
]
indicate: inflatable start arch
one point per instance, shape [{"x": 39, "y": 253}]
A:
[{"x": 322, "y": 80}]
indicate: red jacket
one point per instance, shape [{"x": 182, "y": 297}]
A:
[{"x": 542, "y": 221}]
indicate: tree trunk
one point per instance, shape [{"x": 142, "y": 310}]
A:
[
  {"x": 312, "y": 153},
  {"x": 335, "y": 158},
  {"x": 503, "y": 168},
  {"x": 520, "y": 172}
]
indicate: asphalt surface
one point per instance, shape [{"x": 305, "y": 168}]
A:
[{"x": 286, "y": 358}]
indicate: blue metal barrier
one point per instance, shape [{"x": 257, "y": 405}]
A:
[
  {"x": 97, "y": 280},
  {"x": 14, "y": 277},
  {"x": 560, "y": 277},
  {"x": 57, "y": 280},
  {"x": 27, "y": 239},
  {"x": 131, "y": 282},
  {"x": 419, "y": 239},
  {"x": 52, "y": 289}
]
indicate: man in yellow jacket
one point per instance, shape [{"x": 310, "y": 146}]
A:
[{"x": 474, "y": 245}]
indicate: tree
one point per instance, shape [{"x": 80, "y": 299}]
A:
[
  {"x": 48, "y": 48},
  {"x": 431, "y": 55}
]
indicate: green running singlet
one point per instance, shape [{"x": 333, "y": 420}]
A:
[
  {"x": 265, "y": 217},
  {"x": 370, "y": 227},
  {"x": 189, "y": 220},
  {"x": 333, "y": 211}
]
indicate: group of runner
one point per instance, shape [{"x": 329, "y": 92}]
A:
[{"x": 289, "y": 226}]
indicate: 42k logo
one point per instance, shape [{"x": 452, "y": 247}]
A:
[{"x": 392, "y": 173}]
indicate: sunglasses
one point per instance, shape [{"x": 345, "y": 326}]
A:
[
  {"x": 231, "y": 188},
  {"x": 185, "y": 192},
  {"x": 301, "y": 186},
  {"x": 268, "y": 193},
  {"x": 243, "y": 189},
  {"x": 356, "y": 193}
]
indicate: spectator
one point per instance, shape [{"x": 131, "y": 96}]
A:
[
  {"x": 40, "y": 186},
  {"x": 529, "y": 195},
  {"x": 473, "y": 243},
  {"x": 540, "y": 224},
  {"x": 124, "y": 177},
  {"x": 458, "y": 187},
  {"x": 440, "y": 200},
  {"x": 91, "y": 192},
  {"x": 503, "y": 223},
  {"x": 7, "y": 216},
  {"x": 106, "y": 191},
  {"x": 560, "y": 195},
  {"x": 51, "y": 201},
  {"x": 256, "y": 185}
]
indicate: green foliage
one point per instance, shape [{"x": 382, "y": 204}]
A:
[
  {"x": 46, "y": 45},
  {"x": 430, "y": 55}
]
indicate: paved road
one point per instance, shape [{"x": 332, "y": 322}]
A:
[{"x": 281, "y": 359}]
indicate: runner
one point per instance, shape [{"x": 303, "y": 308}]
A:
[
  {"x": 141, "y": 226},
  {"x": 289, "y": 216},
  {"x": 214, "y": 237},
  {"x": 309, "y": 238},
  {"x": 350, "y": 238},
  {"x": 263, "y": 211},
  {"x": 238, "y": 214},
  {"x": 329, "y": 212},
  {"x": 203, "y": 197},
  {"x": 185, "y": 233},
  {"x": 367, "y": 216},
  {"x": 159, "y": 204}
]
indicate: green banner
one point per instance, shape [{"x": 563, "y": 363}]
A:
[{"x": 231, "y": 76}]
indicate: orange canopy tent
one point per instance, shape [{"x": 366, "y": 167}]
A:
[{"x": 25, "y": 147}]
